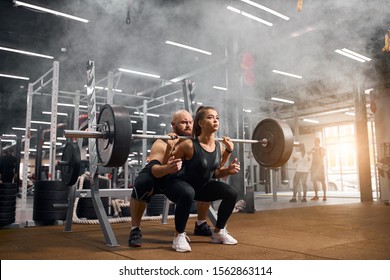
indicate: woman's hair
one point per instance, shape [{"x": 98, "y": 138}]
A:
[{"x": 200, "y": 114}]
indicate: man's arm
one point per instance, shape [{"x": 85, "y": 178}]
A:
[{"x": 157, "y": 153}]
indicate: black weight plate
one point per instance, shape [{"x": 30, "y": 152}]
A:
[
  {"x": 51, "y": 186},
  {"x": 70, "y": 171},
  {"x": 6, "y": 222},
  {"x": 8, "y": 186},
  {"x": 49, "y": 215},
  {"x": 48, "y": 205},
  {"x": 8, "y": 215},
  {"x": 114, "y": 121},
  {"x": 8, "y": 191},
  {"x": 7, "y": 197},
  {"x": 11, "y": 203},
  {"x": 45, "y": 195},
  {"x": 280, "y": 143}
]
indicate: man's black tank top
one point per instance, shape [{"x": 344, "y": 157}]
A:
[{"x": 201, "y": 167}]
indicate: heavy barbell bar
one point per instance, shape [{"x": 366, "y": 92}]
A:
[
  {"x": 98, "y": 134},
  {"x": 272, "y": 140}
]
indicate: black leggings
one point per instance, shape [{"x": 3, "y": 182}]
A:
[{"x": 183, "y": 194}]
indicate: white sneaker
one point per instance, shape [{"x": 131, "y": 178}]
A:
[
  {"x": 180, "y": 243},
  {"x": 223, "y": 237}
]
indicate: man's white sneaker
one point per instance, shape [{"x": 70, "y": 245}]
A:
[
  {"x": 180, "y": 243},
  {"x": 223, "y": 237}
]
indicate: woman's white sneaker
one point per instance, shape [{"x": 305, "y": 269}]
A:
[
  {"x": 223, "y": 237},
  {"x": 180, "y": 243}
]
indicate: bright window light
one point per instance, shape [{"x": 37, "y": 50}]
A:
[
  {"x": 287, "y": 74},
  {"x": 356, "y": 54},
  {"x": 25, "y": 52},
  {"x": 38, "y": 8},
  {"x": 282, "y": 100},
  {"x": 310, "y": 121},
  {"x": 220, "y": 88},
  {"x": 350, "y": 55},
  {"x": 254, "y": 4},
  {"x": 249, "y": 15},
  {"x": 188, "y": 47},
  {"x": 368, "y": 91},
  {"x": 139, "y": 73},
  {"x": 14, "y": 77}
]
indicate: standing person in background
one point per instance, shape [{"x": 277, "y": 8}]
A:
[
  {"x": 302, "y": 160},
  {"x": 8, "y": 167},
  {"x": 317, "y": 170}
]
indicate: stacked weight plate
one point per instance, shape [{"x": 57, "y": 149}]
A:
[
  {"x": 7, "y": 203},
  {"x": 50, "y": 202}
]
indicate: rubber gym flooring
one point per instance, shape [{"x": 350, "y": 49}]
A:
[{"x": 337, "y": 229}]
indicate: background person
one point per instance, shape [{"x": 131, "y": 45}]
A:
[
  {"x": 302, "y": 160},
  {"x": 317, "y": 170},
  {"x": 8, "y": 167}
]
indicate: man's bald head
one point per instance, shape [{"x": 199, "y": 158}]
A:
[{"x": 182, "y": 123}]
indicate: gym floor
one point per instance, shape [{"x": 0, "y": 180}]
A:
[{"x": 341, "y": 228}]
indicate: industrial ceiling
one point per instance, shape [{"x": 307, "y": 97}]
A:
[{"x": 134, "y": 34}]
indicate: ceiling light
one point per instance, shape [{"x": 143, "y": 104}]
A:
[
  {"x": 188, "y": 47},
  {"x": 249, "y": 15},
  {"x": 220, "y": 88},
  {"x": 247, "y": 110},
  {"x": 8, "y": 140},
  {"x": 163, "y": 124},
  {"x": 14, "y": 77},
  {"x": 8, "y": 135},
  {"x": 71, "y": 105},
  {"x": 356, "y": 54},
  {"x": 41, "y": 122},
  {"x": 25, "y": 52},
  {"x": 282, "y": 100},
  {"x": 350, "y": 55},
  {"x": 99, "y": 87},
  {"x": 287, "y": 74},
  {"x": 139, "y": 73},
  {"x": 147, "y": 132},
  {"x": 350, "y": 113},
  {"x": 310, "y": 121},
  {"x": 22, "y": 128},
  {"x": 148, "y": 114},
  {"x": 266, "y": 9},
  {"x": 38, "y": 8},
  {"x": 58, "y": 114}
]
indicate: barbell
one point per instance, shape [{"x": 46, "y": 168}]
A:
[{"x": 272, "y": 141}]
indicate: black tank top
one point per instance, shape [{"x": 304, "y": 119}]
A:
[{"x": 201, "y": 167}]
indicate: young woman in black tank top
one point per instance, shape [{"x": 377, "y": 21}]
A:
[{"x": 203, "y": 161}]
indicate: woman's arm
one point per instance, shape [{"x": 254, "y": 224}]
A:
[
  {"x": 226, "y": 153},
  {"x": 231, "y": 169}
]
